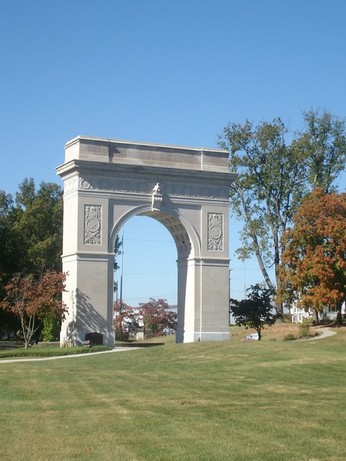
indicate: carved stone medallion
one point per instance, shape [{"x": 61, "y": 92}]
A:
[
  {"x": 215, "y": 231},
  {"x": 92, "y": 224}
]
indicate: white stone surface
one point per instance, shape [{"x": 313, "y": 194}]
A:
[{"x": 106, "y": 183}]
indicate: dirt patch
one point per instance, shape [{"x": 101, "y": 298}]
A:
[{"x": 280, "y": 330}]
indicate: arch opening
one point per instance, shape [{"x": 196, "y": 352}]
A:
[
  {"x": 185, "y": 301},
  {"x": 147, "y": 262}
]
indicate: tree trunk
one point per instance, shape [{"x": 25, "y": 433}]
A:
[
  {"x": 338, "y": 314},
  {"x": 254, "y": 239}
]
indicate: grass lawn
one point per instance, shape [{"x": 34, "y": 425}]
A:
[
  {"x": 268, "y": 400},
  {"x": 49, "y": 351}
]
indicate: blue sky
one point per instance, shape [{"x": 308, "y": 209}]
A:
[{"x": 164, "y": 71}]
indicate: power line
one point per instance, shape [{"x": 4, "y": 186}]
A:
[
  {"x": 149, "y": 273},
  {"x": 150, "y": 240}
]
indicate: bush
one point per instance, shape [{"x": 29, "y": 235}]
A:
[
  {"x": 51, "y": 328},
  {"x": 305, "y": 327},
  {"x": 289, "y": 337}
]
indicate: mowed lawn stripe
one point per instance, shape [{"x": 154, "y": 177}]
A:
[{"x": 270, "y": 400}]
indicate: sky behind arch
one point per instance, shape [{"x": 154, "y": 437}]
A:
[{"x": 162, "y": 71}]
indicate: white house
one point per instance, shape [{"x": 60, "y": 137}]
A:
[{"x": 299, "y": 314}]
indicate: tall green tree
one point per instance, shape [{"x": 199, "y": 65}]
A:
[
  {"x": 270, "y": 184},
  {"x": 30, "y": 235},
  {"x": 32, "y": 229},
  {"x": 273, "y": 177},
  {"x": 6, "y": 206},
  {"x": 39, "y": 226},
  {"x": 323, "y": 146},
  {"x": 8, "y": 322}
]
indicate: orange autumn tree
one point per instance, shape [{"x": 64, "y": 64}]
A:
[{"x": 313, "y": 273}]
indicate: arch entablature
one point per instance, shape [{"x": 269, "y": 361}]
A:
[{"x": 106, "y": 183}]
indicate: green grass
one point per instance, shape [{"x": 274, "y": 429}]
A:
[
  {"x": 49, "y": 351},
  {"x": 269, "y": 400}
]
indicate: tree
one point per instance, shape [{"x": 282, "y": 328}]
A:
[
  {"x": 32, "y": 227},
  {"x": 255, "y": 311},
  {"x": 118, "y": 249},
  {"x": 33, "y": 300},
  {"x": 157, "y": 317},
  {"x": 39, "y": 226},
  {"x": 30, "y": 236},
  {"x": 118, "y": 245},
  {"x": 153, "y": 317},
  {"x": 270, "y": 184},
  {"x": 323, "y": 145},
  {"x": 314, "y": 260},
  {"x": 274, "y": 176},
  {"x": 127, "y": 320},
  {"x": 8, "y": 257}
]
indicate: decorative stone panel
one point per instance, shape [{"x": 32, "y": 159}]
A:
[
  {"x": 215, "y": 231},
  {"x": 70, "y": 185},
  {"x": 92, "y": 224}
]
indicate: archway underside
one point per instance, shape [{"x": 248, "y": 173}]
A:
[{"x": 176, "y": 229}]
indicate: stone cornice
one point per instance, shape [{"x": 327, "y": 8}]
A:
[
  {"x": 148, "y": 173},
  {"x": 139, "y": 144}
]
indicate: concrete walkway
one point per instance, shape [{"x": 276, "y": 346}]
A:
[
  {"x": 88, "y": 354},
  {"x": 323, "y": 333}
]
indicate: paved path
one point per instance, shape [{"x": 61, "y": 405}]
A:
[
  {"x": 88, "y": 354},
  {"x": 323, "y": 333}
]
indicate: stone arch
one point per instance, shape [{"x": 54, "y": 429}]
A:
[
  {"x": 106, "y": 183},
  {"x": 183, "y": 234}
]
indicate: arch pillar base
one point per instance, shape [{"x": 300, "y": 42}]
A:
[
  {"x": 88, "y": 298},
  {"x": 212, "y": 336},
  {"x": 75, "y": 337}
]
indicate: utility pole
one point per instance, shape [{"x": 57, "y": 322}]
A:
[
  {"x": 244, "y": 275},
  {"x": 122, "y": 271}
]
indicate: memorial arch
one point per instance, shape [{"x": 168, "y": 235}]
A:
[{"x": 107, "y": 182}]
